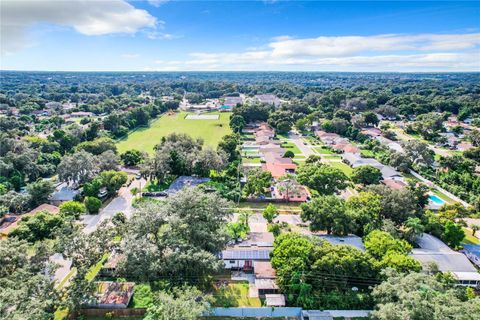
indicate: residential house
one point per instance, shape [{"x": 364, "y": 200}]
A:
[
  {"x": 10, "y": 222},
  {"x": 290, "y": 192},
  {"x": 355, "y": 160},
  {"x": 65, "y": 193},
  {"x": 268, "y": 99},
  {"x": 432, "y": 249},
  {"x": 326, "y": 137},
  {"x": 82, "y": 114},
  {"x": 244, "y": 259},
  {"x": 372, "y": 132},
  {"x": 351, "y": 240},
  {"x": 232, "y": 101},
  {"x": 244, "y": 255}
]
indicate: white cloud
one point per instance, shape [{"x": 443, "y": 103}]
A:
[
  {"x": 422, "y": 52},
  {"x": 350, "y": 45},
  {"x": 86, "y": 17},
  {"x": 157, "y": 3}
]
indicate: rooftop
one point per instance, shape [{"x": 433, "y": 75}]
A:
[
  {"x": 351, "y": 240},
  {"x": 258, "y": 254},
  {"x": 183, "y": 182},
  {"x": 264, "y": 270},
  {"x": 274, "y": 300}
]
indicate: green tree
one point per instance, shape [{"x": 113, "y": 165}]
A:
[
  {"x": 92, "y": 204},
  {"x": 366, "y": 175},
  {"x": 400, "y": 262},
  {"x": 289, "y": 154},
  {"x": 186, "y": 232},
  {"x": 98, "y": 146},
  {"x": 328, "y": 213},
  {"x": 413, "y": 229},
  {"x": 186, "y": 303},
  {"x": 370, "y": 118},
  {"x": 365, "y": 209},
  {"x": 113, "y": 180},
  {"x": 379, "y": 243},
  {"x": 131, "y": 158},
  {"x": 38, "y": 227},
  {"x": 453, "y": 234},
  {"x": 229, "y": 144},
  {"x": 25, "y": 272},
  {"x": 257, "y": 182},
  {"x": 39, "y": 191},
  {"x": 92, "y": 188},
  {"x": 237, "y": 123},
  {"x": 270, "y": 213},
  {"x": 72, "y": 209},
  {"x": 323, "y": 178},
  {"x": 418, "y": 296}
]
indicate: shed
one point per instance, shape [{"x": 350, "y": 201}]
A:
[{"x": 275, "y": 300}]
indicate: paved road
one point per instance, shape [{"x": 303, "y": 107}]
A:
[
  {"x": 122, "y": 203},
  {"x": 297, "y": 139}
]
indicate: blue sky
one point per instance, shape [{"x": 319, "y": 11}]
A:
[{"x": 240, "y": 35}]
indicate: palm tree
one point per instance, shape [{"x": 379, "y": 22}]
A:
[
  {"x": 244, "y": 216},
  {"x": 414, "y": 229},
  {"x": 475, "y": 228}
]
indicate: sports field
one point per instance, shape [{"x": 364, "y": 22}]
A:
[{"x": 210, "y": 130}]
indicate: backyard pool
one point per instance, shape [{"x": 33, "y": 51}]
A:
[{"x": 436, "y": 200}]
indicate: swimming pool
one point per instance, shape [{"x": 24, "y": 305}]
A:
[{"x": 435, "y": 199}]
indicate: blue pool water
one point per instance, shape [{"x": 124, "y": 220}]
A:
[{"x": 436, "y": 200}]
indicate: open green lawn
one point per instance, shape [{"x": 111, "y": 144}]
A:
[
  {"x": 323, "y": 150},
  {"x": 292, "y": 147},
  {"x": 144, "y": 139},
  {"x": 367, "y": 153},
  {"x": 235, "y": 295},
  {"x": 342, "y": 166},
  {"x": 251, "y": 160},
  {"x": 469, "y": 239}
]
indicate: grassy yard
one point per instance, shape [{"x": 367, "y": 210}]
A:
[
  {"x": 331, "y": 157},
  {"x": 235, "y": 295},
  {"x": 263, "y": 205},
  {"x": 144, "y": 139},
  {"x": 367, "y": 153},
  {"x": 469, "y": 239},
  {"x": 292, "y": 147},
  {"x": 323, "y": 150},
  {"x": 342, "y": 166},
  {"x": 251, "y": 160}
]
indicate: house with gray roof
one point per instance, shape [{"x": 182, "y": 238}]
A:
[
  {"x": 433, "y": 250},
  {"x": 351, "y": 240},
  {"x": 268, "y": 99},
  {"x": 64, "y": 194}
]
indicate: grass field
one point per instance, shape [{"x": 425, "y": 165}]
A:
[
  {"x": 144, "y": 139},
  {"x": 323, "y": 150},
  {"x": 342, "y": 166},
  {"x": 292, "y": 147},
  {"x": 235, "y": 295}
]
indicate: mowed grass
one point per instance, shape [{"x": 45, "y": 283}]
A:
[
  {"x": 235, "y": 295},
  {"x": 145, "y": 139},
  {"x": 342, "y": 166}
]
